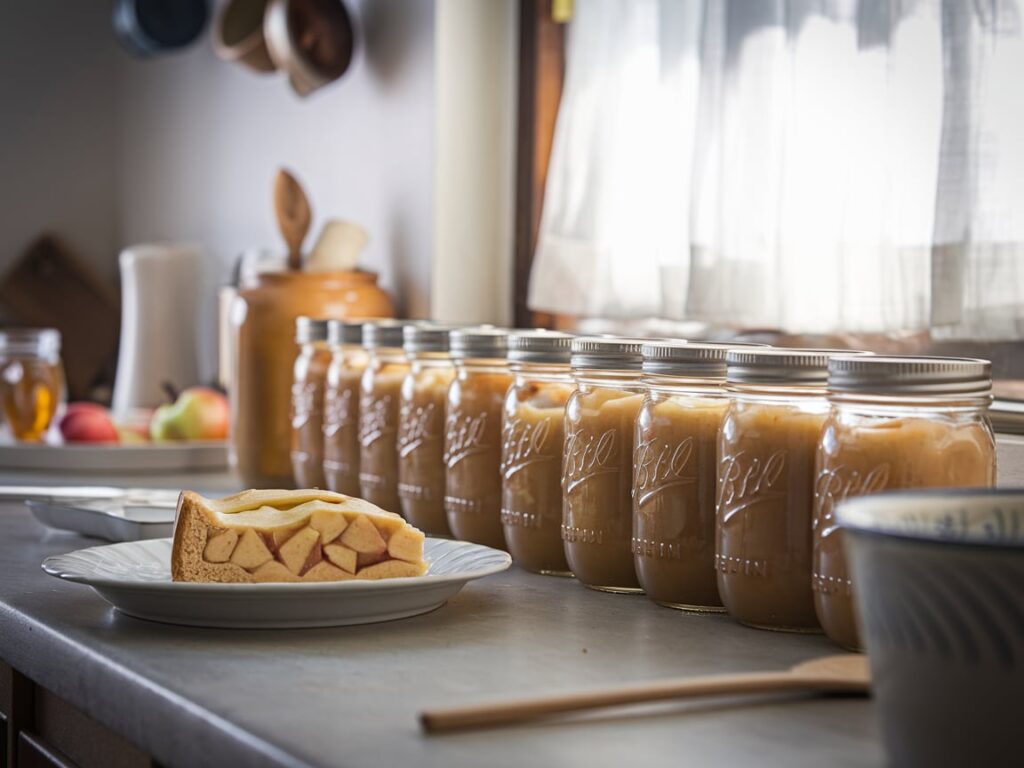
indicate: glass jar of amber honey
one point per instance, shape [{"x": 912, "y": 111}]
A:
[
  {"x": 421, "y": 468},
  {"x": 472, "y": 442},
  {"x": 895, "y": 422},
  {"x": 309, "y": 377},
  {"x": 766, "y": 451},
  {"x": 533, "y": 436},
  {"x": 341, "y": 406},
  {"x": 379, "y": 404},
  {"x": 597, "y": 465},
  {"x": 675, "y": 472},
  {"x": 31, "y": 380}
]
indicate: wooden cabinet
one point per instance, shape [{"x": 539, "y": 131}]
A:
[{"x": 40, "y": 730}]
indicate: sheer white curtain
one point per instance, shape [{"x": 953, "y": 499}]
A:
[{"x": 811, "y": 165}]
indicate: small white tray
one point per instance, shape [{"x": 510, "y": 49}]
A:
[{"x": 111, "y": 520}]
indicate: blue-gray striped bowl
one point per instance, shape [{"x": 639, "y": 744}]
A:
[{"x": 939, "y": 581}]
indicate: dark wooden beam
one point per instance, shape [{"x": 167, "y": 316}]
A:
[{"x": 541, "y": 71}]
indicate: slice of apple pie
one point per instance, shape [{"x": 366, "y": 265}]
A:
[{"x": 310, "y": 535}]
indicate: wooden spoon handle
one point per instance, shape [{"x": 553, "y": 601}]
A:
[
  {"x": 293, "y": 215},
  {"x": 478, "y": 716}
]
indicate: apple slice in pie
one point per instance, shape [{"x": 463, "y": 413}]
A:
[{"x": 306, "y": 535}]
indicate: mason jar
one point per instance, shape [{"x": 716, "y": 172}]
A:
[
  {"x": 675, "y": 471},
  {"x": 597, "y": 468},
  {"x": 472, "y": 443},
  {"x": 421, "y": 468},
  {"x": 533, "y": 435},
  {"x": 309, "y": 377},
  {"x": 766, "y": 452},
  {"x": 379, "y": 401},
  {"x": 895, "y": 422},
  {"x": 341, "y": 406}
]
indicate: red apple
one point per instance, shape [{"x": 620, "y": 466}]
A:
[
  {"x": 199, "y": 413},
  {"x": 87, "y": 423}
]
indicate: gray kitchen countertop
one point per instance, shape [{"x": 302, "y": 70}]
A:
[{"x": 349, "y": 696}]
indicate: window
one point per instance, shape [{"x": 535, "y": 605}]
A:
[{"x": 843, "y": 170}]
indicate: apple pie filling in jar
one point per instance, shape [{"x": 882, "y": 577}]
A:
[
  {"x": 766, "y": 452},
  {"x": 675, "y": 471},
  {"x": 472, "y": 441},
  {"x": 379, "y": 402},
  {"x": 307, "y": 411},
  {"x": 533, "y": 434},
  {"x": 421, "y": 469},
  {"x": 597, "y": 465},
  {"x": 896, "y": 422},
  {"x": 341, "y": 406}
]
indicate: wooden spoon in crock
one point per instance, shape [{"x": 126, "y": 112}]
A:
[{"x": 293, "y": 215}]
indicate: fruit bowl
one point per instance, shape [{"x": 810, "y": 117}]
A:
[{"x": 186, "y": 434}]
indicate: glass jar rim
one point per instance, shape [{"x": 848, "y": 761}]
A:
[
  {"x": 681, "y": 381},
  {"x": 779, "y": 390},
  {"x": 480, "y": 362},
  {"x": 980, "y": 401}
]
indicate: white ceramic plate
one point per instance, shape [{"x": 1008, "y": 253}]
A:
[
  {"x": 114, "y": 459},
  {"x": 135, "y": 578},
  {"x": 111, "y": 520}
]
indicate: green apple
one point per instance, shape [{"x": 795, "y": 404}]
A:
[{"x": 199, "y": 413}]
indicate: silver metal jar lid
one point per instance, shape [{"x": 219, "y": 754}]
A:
[
  {"x": 30, "y": 342},
  {"x": 384, "y": 333},
  {"x": 909, "y": 375},
  {"x": 426, "y": 337},
  {"x": 310, "y": 329},
  {"x": 608, "y": 352},
  {"x": 345, "y": 332},
  {"x": 797, "y": 367},
  {"x": 705, "y": 360},
  {"x": 481, "y": 341},
  {"x": 540, "y": 346}
]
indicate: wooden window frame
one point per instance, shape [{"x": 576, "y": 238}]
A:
[{"x": 541, "y": 75}]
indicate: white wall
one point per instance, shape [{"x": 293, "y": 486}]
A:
[
  {"x": 109, "y": 150},
  {"x": 58, "y": 68},
  {"x": 200, "y": 141}
]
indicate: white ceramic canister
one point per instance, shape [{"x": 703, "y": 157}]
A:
[{"x": 160, "y": 302}]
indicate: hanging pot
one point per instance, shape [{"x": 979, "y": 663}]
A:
[
  {"x": 238, "y": 35},
  {"x": 311, "y": 40},
  {"x": 152, "y": 27}
]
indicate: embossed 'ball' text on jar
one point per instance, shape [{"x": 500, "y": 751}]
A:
[
  {"x": 675, "y": 471},
  {"x": 597, "y": 468},
  {"x": 533, "y": 436},
  {"x": 309, "y": 379},
  {"x": 379, "y": 402},
  {"x": 421, "y": 468},
  {"x": 896, "y": 422},
  {"x": 341, "y": 406},
  {"x": 472, "y": 442},
  {"x": 766, "y": 451}
]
